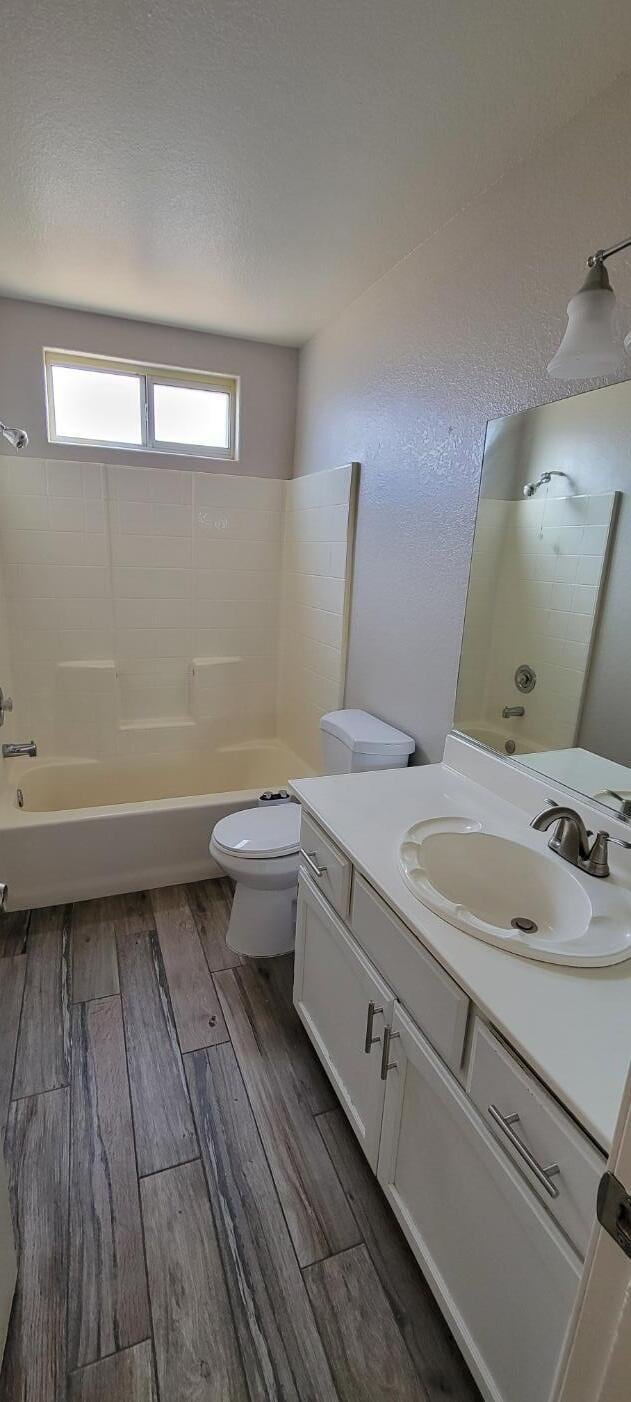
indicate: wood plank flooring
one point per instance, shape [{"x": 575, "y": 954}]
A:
[
  {"x": 94, "y": 964},
  {"x": 195, "y": 1221},
  {"x": 108, "y": 1307}
]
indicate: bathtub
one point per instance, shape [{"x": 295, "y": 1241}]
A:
[
  {"x": 102, "y": 827},
  {"x": 499, "y": 739}
]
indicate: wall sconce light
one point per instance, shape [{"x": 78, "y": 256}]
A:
[{"x": 592, "y": 345}]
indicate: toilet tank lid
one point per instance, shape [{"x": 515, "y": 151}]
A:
[{"x": 366, "y": 735}]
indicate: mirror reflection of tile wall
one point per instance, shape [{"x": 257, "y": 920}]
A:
[{"x": 550, "y": 588}]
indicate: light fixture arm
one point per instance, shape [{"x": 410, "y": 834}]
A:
[{"x": 602, "y": 253}]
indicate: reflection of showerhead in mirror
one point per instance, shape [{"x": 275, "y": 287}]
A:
[{"x": 531, "y": 487}]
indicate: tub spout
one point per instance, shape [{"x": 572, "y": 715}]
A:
[{"x": 22, "y": 747}]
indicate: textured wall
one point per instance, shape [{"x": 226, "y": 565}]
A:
[
  {"x": 404, "y": 381},
  {"x": 268, "y": 382}
]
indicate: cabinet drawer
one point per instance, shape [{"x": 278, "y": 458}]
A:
[
  {"x": 437, "y": 1003},
  {"x": 496, "y": 1079},
  {"x": 328, "y": 868}
]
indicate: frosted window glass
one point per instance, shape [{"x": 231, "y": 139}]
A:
[
  {"x": 96, "y": 405},
  {"x": 195, "y": 416}
]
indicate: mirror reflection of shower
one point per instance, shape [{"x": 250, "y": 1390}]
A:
[
  {"x": 531, "y": 487},
  {"x": 17, "y": 437}
]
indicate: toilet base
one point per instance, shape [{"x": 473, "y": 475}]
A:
[{"x": 262, "y": 922}]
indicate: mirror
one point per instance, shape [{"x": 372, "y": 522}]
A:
[{"x": 545, "y": 667}]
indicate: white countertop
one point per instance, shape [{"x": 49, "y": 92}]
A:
[{"x": 573, "y": 1026}]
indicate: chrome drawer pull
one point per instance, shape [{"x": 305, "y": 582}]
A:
[
  {"x": 370, "y": 1017},
  {"x": 386, "y": 1066},
  {"x": 543, "y": 1175},
  {"x": 310, "y": 859}
]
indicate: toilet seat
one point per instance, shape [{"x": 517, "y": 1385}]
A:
[{"x": 260, "y": 833}]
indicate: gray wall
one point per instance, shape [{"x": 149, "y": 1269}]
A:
[
  {"x": 268, "y": 382},
  {"x": 458, "y": 332}
]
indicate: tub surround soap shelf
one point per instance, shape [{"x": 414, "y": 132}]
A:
[{"x": 511, "y": 891}]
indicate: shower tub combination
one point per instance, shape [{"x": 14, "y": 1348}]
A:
[
  {"x": 498, "y": 739},
  {"x": 73, "y": 829}
]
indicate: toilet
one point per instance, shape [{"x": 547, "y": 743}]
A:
[{"x": 260, "y": 847}]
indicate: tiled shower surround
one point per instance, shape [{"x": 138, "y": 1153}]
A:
[
  {"x": 143, "y": 606},
  {"x": 536, "y": 586}
]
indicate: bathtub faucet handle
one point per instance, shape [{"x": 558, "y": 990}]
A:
[{"x": 6, "y": 704}]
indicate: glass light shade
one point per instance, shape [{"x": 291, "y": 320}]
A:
[{"x": 591, "y": 345}]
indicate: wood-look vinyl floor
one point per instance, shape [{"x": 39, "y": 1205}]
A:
[{"x": 195, "y": 1221}]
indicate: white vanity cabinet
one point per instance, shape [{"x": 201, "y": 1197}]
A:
[
  {"x": 416, "y": 1068},
  {"x": 503, "y": 1275},
  {"x": 345, "y": 1006}
]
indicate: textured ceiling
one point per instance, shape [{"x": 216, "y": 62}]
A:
[{"x": 252, "y": 165}]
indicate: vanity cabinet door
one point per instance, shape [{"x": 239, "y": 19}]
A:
[
  {"x": 504, "y": 1276},
  {"x": 339, "y": 996}
]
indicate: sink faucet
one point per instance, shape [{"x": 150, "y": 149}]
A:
[
  {"x": 21, "y": 747},
  {"x": 509, "y": 711},
  {"x": 571, "y": 840}
]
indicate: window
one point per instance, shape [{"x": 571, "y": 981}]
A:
[{"x": 113, "y": 403}]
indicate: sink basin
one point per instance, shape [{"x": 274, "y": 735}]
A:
[{"x": 516, "y": 894}]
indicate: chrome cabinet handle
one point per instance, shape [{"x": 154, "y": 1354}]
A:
[
  {"x": 310, "y": 859},
  {"x": 543, "y": 1175},
  {"x": 386, "y": 1065},
  {"x": 4, "y": 891},
  {"x": 370, "y": 1017}
]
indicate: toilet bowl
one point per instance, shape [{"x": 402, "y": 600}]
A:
[{"x": 260, "y": 847}]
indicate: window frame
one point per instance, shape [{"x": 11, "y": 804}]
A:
[{"x": 149, "y": 375}]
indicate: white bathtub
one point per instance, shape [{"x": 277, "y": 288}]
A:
[
  {"x": 499, "y": 739},
  {"x": 100, "y": 827}
]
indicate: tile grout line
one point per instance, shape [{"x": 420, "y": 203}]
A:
[
  {"x": 168, "y": 1168},
  {"x": 83, "y": 1367}
]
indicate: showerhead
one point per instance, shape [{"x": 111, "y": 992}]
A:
[
  {"x": 531, "y": 487},
  {"x": 17, "y": 437}
]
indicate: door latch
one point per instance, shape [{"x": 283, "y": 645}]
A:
[{"x": 613, "y": 1209}]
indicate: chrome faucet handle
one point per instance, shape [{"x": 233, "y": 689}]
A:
[
  {"x": 597, "y": 860},
  {"x": 6, "y": 704}
]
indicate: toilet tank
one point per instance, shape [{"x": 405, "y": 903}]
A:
[{"x": 354, "y": 741}]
